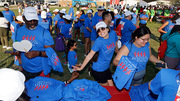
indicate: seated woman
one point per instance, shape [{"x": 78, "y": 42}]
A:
[{"x": 139, "y": 50}]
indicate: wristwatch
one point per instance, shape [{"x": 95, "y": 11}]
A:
[{"x": 40, "y": 53}]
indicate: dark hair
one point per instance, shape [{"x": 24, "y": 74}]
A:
[
  {"x": 105, "y": 14},
  {"x": 141, "y": 31},
  {"x": 70, "y": 44},
  {"x": 82, "y": 11},
  {"x": 175, "y": 29},
  {"x": 68, "y": 21},
  {"x": 175, "y": 18},
  {"x": 1, "y": 14}
]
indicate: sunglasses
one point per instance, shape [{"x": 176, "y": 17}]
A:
[{"x": 101, "y": 29}]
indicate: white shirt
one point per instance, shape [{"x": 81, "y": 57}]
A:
[{"x": 3, "y": 22}]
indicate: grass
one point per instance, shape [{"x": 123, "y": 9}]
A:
[{"x": 6, "y": 60}]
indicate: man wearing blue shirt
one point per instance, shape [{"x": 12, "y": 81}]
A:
[
  {"x": 134, "y": 16},
  {"x": 61, "y": 21},
  {"x": 56, "y": 18},
  {"x": 143, "y": 18},
  {"x": 71, "y": 11},
  {"x": 40, "y": 39}
]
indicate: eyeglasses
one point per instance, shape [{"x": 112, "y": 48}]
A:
[
  {"x": 145, "y": 39},
  {"x": 101, "y": 29}
]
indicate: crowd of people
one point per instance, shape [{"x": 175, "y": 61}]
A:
[{"x": 100, "y": 32}]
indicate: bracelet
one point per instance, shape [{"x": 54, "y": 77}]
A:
[{"x": 40, "y": 53}]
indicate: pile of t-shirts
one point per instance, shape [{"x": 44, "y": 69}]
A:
[{"x": 85, "y": 90}]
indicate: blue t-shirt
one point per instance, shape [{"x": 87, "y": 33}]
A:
[
  {"x": 67, "y": 30},
  {"x": 14, "y": 26},
  {"x": 169, "y": 26},
  {"x": 127, "y": 28},
  {"x": 122, "y": 15},
  {"x": 72, "y": 58},
  {"x": 88, "y": 23},
  {"x": 71, "y": 10},
  {"x": 49, "y": 15},
  {"x": 56, "y": 18},
  {"x": 82, "y": 17},
  {"x": 9, "y": 15},
  {"x": 141, "y": 55},
  {"x": 106, "y": 49},
  {"x": 143, "y": 16},
  {"x": 117, "y": 16},
  {"x": 45, "y": 23},
  {"x": 38, "y": 37},
  {"x": 77, "y": 25},
  {"x": 95, "y": 20},
  {"x": 165, "y": 84},
  {"x": 134, "y": 18},
  {"x": 87, "y": 15},
  {"x": 60, "y": 23}
]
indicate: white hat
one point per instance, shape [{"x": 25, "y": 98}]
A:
[
  {"x": 100, "y": 8},
  {"x": 12, "y": 84},
  {"x": 19, "y": 18},
  {"x": 115, "y": 11},
  {"x": 56, "y": 10},
  {"x": 178, "y": 11},
  {"x": 77, "y": 12},
  {"x": 6, "y": 6},
  {"x": 30, "y": 13},
  {"x": 43, "y": 15},
  {"x": 134, "y": 9},
  {"x": 62, "y": 11},
  {"x": 89, "y": 11},
  {"x": 68, "y": 17},
  {"x": 125, "y": 10},
  {"x": 178, "y": 22},
  {"x": 47, "y": 9},
  {"x": 127, "y": 13},
  {"x": 144, "y": 10},
  {"x": 100, "y": 24}
]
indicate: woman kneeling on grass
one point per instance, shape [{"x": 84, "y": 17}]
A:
[
  {"x": 139, "y": 50},
  {"x": 105, "y": 44}
]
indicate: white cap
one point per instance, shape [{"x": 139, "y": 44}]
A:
[
  {"x": 43, "y": 15},
  {"x": 19, "y": 18},
  {"x": 56, "y": 10},
  {"x": 77, "y": 12},
  {"x": 100, "y": 24},
  {"x": 89, "y": 11},
  {"x": 100, "y": 8},
  {"x": 6, "y": 6},
  {"x": 178, "y": 22},
  {"x": 144, "y": 10},
  {"x": 127, "y": 13},
  {"x": 68, "y": 17},
  {"x": 115, "y": 11},
  {"x": 47, "y": 9},
  {"x": 134, "y": 9},
  {"x": 178, "y": 11},
  {"x": 125, "y": 10},
  {"x": 62, "y": 11},
  {"x": 30, "y": 13},
  {"x": 12, "y": 84}
]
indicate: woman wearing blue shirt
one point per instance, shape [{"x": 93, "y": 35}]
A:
[
  {"x": 87, "y": 31},
  {"x": 81, "y": 19},
  {"x": 105, "y": 44},
  {"x": 139, "y": 50}
]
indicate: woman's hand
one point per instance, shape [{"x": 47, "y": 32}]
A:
[
  {"x": 32, "y": 54},
  {"x": 76, "y": 68}
]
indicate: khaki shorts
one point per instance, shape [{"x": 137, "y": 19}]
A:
[{"x": 3, "y": 32}]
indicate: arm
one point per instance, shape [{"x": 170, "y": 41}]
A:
[
  {"x": 86, "y": 60},
  {"x": 137, "y": 21},
  {"x": 50, "y": 29},
  {"x": 161, "y": 28},
  {"x": 123, "y": 51},
  {"x": 116, "y": 48},
  {"x": 88, "y": 29},
  {"x": 153, "y": 58}
]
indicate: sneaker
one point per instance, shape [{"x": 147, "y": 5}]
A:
[
  {"x": 8, "y": 48},
  {"x": 85, "y": 55},
  {"x": 89, "y": 71},
  {"x": 78, "y": 40},
  {"x": 4, "y": 46}
]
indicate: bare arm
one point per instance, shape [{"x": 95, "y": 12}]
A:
[
  {"x": 88, "y": 29},
  {"x": 116, "y": 49},
  {"x": 153, "y": 58},
  {"x": 123, "y": 51},
  {"x": 161, "y": 28}
]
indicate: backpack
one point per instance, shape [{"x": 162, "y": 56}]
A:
[
  {"x": 59, "y": 43},
  {"x": 163, "y": 47}
]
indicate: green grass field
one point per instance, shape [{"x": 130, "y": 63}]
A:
[{"x": 6, "y": 60}]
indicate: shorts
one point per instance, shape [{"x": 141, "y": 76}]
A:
[
  {"x": 82, "y": 29},
  {"x": 3, "y": 32},
  {"x": 142, "y": 24},
  {"x": 29, "y": 75},
  {"x": 172, "y": 63},
  {"x": 102, "y": 77},
  {"x": 76, "y": 28},
  {"x": 138, "y": 77}
]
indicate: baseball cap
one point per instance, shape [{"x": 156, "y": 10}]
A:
[
  {"x": 12, "y": 84},
  {"x": 77, "y": 12},
  {"x": 89, "y": 11},
  {"x": 100, "y": 24},
  {"x": 127, "y": 13},
  {"x": 47, "y": 9},
  {"x": 62, "y": 11},
  {"x": 178, "y": 22},
  {"x": 134, "y": 9},
  {"x": 6, "y": 6},
  {"x": 178, "y": 11},
  {"x": 43, "y": 14},
  {"x": 56, "y": 10},
  {"x": 30, "y": 13},
  {"x": 100, "y": 8},
  {"x": 115, "y": 11},
  {"x": 125, "y": 10},
  {"x": 19, "y": 18},
  {"x": 68, "y": 17},
  {"x": 144, "y": 10}
]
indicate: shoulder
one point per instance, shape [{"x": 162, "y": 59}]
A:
[
  {"x": 128, "y": 44},
  {"x": 168, "y": 73}
]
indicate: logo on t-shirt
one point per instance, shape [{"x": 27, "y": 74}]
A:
[
  {"x": 171, "y": 26},
  {"x": 122, "y": 25},
  {"x": 30, "y": 38},
  {"x": 140, "y": 56},
  {"x": 54, "y": 59},
  {"x": 42, "y": 85},
  {"x": 110, "y": 48},
  {"x": 80, "y": 88},
  {"x": 12, "y": 28}
]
